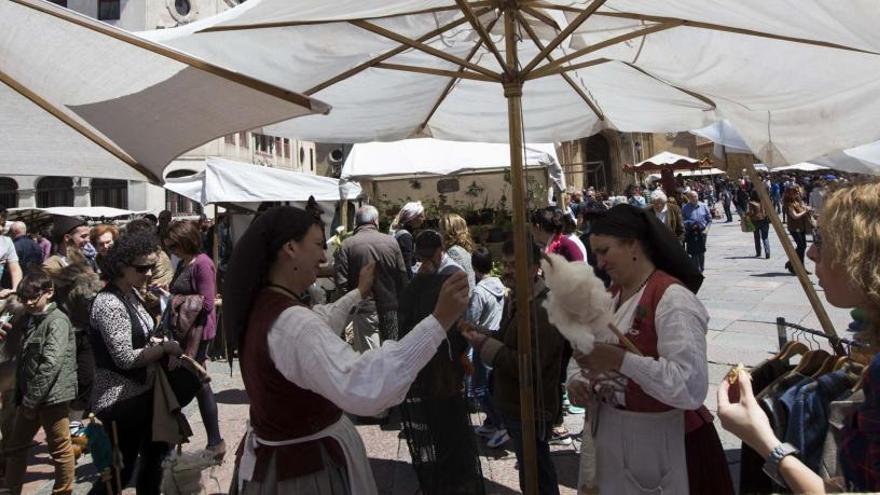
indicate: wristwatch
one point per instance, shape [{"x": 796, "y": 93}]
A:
[{"x": 771, "y": 466}]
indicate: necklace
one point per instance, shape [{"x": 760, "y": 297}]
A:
[
  {"x": 286, "y": 291},
  {"x": 644, "y": 283}
]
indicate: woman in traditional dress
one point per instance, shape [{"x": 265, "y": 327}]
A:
[
  {"x": 651, "y": 429},
  {"x": 299, "y": 374}
]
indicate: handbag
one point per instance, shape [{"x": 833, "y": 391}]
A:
[
  {"x": 181, "y": 321},
  {"x": 186, "y": 379},
  {"x": 746, "y": 225}
]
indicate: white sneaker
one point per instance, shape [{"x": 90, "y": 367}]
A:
[
  {"x": 498, "y": 439},
  {"x": 486, "y": 431}
]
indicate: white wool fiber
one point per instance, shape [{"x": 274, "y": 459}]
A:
[{"x": 577, "y": 304}]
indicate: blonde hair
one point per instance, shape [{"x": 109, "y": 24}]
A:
[
  {"x": 851, "y": 234},
  {"x": 455, "y": 232}
]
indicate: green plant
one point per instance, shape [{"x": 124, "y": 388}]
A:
[{"x": 474, "y": 190}]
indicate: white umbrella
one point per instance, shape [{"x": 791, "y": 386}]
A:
[
  {"x": 669, "y": 160},
  {"x": 800, "y": 167},
  {"x": 80, "y": 97},
  {"x": 863, "y": 159},
  {"x": 795, "y": 86}
]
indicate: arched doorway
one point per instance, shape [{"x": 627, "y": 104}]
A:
[
  {"x": 109, "y": 192},
  {"x": 597, "y": 162},
  {"x": 8, "y": 193},
  {"x": 54, "y": 191}
]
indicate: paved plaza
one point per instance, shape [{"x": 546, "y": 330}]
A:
[{"x": 744, "y": 296}]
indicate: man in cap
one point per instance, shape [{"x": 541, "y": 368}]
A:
[{"x": 70, "y": 236}]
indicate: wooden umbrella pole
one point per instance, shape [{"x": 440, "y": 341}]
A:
[
  {"x": 513, "y": 93},
  {"x": 795, "y": 261}
]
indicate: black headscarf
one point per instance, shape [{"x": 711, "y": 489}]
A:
[
  {"x": 629, "y": 222},
  {"x": 251, "y": 259}
]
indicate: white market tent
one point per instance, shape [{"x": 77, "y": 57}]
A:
[
  {"x": 227, "y": 182},
  {"x": 800, "y": 167},
  {"x": 419, "y": 157},
  {"x": 79, "y": 97},
  {"x": 701, "y": 172}
]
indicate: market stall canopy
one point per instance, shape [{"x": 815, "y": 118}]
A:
[
  {"x": 227, "y": 181},
  {"x": 800, "y": 167},
  {"x": 864, "y": 159},
  {"x": 668, "y": 161},
  {"x": 795, "y": 86},
  {"x": 700, "y": 172},
  {"x": 81, "y": 98},
  {"x": 416, "y": 157},
  {"x": 36, "y": 218}
]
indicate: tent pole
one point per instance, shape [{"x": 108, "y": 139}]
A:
[
  {"x": 513, "y": 94},
  {"x": 799, "y": 269}
]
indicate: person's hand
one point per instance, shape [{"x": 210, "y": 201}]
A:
[
  {"x": 159, "y": 290},
  {"x": 3, "y": 329},
  {"x": 366, "y": 278},
  {"x": 172, "y": 348},
  {"x": 4, "y": 293},
  {"x": 604, "y": 358},
  {"x": 453, "y": 300},
  {"x": 472, "y": 335},
  {"x": 741, "y": 415},
  {"x": 579, "y": 390}
]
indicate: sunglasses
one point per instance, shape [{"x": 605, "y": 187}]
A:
[{"x": 144, "y": 268}]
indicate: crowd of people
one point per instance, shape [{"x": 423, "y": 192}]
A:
[
  {"x": 433, "y": 334},
  {"x": 86, "y": 327}
]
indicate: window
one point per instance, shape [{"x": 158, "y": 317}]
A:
[
  {"x": 264, "y": 144},
  {"x": 62, "y": 3},
  {"x": 108, "y": 10},
  {"x": 8, "y": 193},
  {"x": 302, "y": 156},
  {"x": 312, "y": 157},
  {"x": 287, "y": 148},
  {"x": 279, "y": 147},
  {"x": 182, "y": 7},
  {"x": 242, "y": 139},
  {"x": 229, "y": 139},
  {"x": 110, "y": 192},
  {"x": 54, "y": 191}
]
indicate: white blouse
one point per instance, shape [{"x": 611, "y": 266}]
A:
[
  {"x": 305, "y": 346},
  {"x": 680, "y": 376}
]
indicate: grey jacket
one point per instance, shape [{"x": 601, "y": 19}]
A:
[
  {"x": 46, "y": 373},
  {"x": 487, "y": 304},
  {"x": 366, "y": 245},
  {"x": 461, "y": 256}
]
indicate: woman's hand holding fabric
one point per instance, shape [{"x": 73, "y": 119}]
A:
[
  {"x": 472, "y": 335},
  {"x": 366, "y": 278},
  {"x": 453, "y": 300},
  {"x": 741, "y": 415},
  {"x": 579, "y": 390}
]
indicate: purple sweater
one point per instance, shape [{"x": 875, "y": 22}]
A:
[{"x": 199, "y": 278}]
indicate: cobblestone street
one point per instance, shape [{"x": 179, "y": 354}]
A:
[{"x": 744, "y": 296}]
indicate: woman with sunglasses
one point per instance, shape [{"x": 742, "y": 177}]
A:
[
  {"x": 195, "y": 274},
  {"x": 848, "y": 268},
  {"x": 300, "y": 375},
  {"x": 126, "y": 357}
]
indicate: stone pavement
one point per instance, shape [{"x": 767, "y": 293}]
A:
[{"x": 743, "y": 295}]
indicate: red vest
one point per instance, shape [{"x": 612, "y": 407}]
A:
[
  {"x": 644, "y": 335},
  {"x": 279, "y": 409}
]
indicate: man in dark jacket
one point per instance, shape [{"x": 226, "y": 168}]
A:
[
  {"x": 376, "y": 318},
  {"x": 501, "y": 354},
  {"x": 29, "y": 253}
]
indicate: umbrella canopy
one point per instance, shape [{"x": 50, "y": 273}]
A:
[
  {"x": 863, "y": 159},
  {"x": 794, "y": 86},
  {"x": 80, "y": 97},
  {"x": 227, "y": 181},
  {"x": 668, "y": 160}
]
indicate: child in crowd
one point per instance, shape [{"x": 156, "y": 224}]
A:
[{"x": 45, "y": 384}]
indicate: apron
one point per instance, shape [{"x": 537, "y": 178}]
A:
[
  {"x": 641, "y": 453},
  {"x": 360, "y": 474}
]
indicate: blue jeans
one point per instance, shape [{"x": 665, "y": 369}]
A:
[
  {"x": 547, "y": 483},
  {"x": 481, "y": 389}
]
